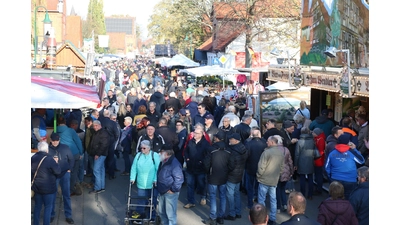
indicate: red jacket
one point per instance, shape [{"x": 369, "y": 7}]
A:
[{"x": 320, "y": 144}]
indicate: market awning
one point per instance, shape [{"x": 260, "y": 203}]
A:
[{"x": 59, "y": 94}]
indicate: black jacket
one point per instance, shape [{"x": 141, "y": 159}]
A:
[
  {"x": 211, "y": 131},
  {"x": 111, "y": 128},
  {"x": 100, "y": 142},
  {"x": 240, "y": 154},
  {"x": 194, "y": 155},
  {"x": 65, "y": 158},
  {"x": 255, "y": 147},
  {"x": 227, "y": 131},
  {"x": 271, "y": 132},
  {"x": 45, "y": 181},
  {"x": 244, "y": 131},
  {"x": 154, "y": 117},
  {"x": 158, "y": 142},
  {"x": 218, "y": 163},
  {"x": 158, "y": 98},
  {"x": 300, "y": 219},
  {"x": 170, "y": 136}
]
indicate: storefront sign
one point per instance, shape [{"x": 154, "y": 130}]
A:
[
  {"x": 326, "y": 82},
  {"x": 361, "y": 86},
  {"x": 278, "y": 74}
]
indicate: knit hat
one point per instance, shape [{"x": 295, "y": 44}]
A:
[
  {"x": 343, "y": 139},
  {"x": 317, "y": 131},
  {"x": 288, "y": 124}
]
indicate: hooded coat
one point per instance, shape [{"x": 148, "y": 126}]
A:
[
  {"x": 341, "y": 163},
  {"x": 338, "y": 212},
  {"x": 323, "y": 123},
  {"x": 240, "y": 154},
  {"x": 158, "y": 98}
]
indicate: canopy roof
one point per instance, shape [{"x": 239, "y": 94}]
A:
[
  {"x": 181, "y": 60},
  {"x": 59, "y": 94},
  {"x": 210, "y": 70}
]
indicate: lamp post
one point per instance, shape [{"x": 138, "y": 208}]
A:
[
  {"x": 190, "y": 47},
  {"x": 331, "y": 52},
  {"x": 46, "y": 27}
]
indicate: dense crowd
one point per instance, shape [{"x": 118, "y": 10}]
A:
[{"x": 206, "y": 137}]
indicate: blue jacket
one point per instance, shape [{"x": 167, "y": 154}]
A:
[
  {"x": 126, "y": 138},
  {"x": 199, "y": 119},
  {"x": 69, "y": 137},
  {"x": 192, "y": 106},
  {"x": 341, "y": 163},
  {"x": 359, "y": 199},
  {"x": 144, "y": 169},
  {"x": 169, "y": 176},
  {"x": 45, "y": 181}
]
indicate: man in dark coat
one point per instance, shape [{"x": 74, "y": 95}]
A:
[
  {"x": 359, "y": 198},
  {"x": 194, "y": 155},
  {"x": 113, "y": 135},
  {"x": 169, "y": 135},
  {"x": 99, "y": 145},
  {"x": 243, "y": 128},
  {"x": 296, "y": 208},
  {"x": 202, "y": 113},
  {"x": 218, "y": 163},
  {"x": 272, "y": 130},
  {"x": 158, "y": 98},
  {"x": 152, "y": 113},
  {"x": 240, "y": 154},
  {"x": 210, "y": 127},
  {"x": 174, "y": 102},
  {"x": 66, "y": 162},
  {"x": 227, "y": 128},
  {"x": 255, "y": 147}
]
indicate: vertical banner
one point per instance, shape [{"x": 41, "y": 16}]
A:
[
  {"x": 103, "y": 41},
  {"x": 88, "y": 44},
  {"x": 51, "y": 50}
]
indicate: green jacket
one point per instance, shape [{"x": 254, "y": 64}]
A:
[{"x": 270, "y": 166}]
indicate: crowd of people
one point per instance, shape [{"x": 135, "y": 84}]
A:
[{"x": 169, "y": 132}]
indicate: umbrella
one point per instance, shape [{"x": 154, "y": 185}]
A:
[{"x": 59, "y": 94}]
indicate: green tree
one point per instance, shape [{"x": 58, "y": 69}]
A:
[{"x": 95, "y": 23}]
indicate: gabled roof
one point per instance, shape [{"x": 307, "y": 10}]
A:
[
  {"x": 68, "y": 54},
  {"x": 224, "y": 37}
]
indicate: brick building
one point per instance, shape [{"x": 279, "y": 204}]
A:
[{"x": 122, "y": 34}]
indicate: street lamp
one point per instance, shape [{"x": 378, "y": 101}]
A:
[
  {"x": 277, "y": 52},
  {"x": 190, "y": 47},
  {"x": 331, "y": 52},
  {"x": 46, "y": 27}
]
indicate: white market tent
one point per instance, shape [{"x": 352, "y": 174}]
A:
[
  {"x": 209, "y": 70},
  {"x": 181, "y": 60}
]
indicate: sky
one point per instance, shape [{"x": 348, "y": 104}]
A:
[{"x": 139, "y": 9}]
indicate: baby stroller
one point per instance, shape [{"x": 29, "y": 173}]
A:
[{"x": 133, "y": 217}]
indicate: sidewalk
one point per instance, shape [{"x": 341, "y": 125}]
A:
[{"x": 109, "y": 207}]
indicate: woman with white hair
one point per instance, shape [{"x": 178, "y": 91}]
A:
[
  {"x": 144, "y": 174},
  {"x": 44, "y": 171}
]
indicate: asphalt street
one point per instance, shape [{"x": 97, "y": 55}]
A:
[{"x": 109, "y": 207}]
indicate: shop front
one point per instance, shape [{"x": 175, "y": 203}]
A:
[{"x": 330, "y": 88}]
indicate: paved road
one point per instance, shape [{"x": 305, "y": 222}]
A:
[{"x": 109, "y": 207}]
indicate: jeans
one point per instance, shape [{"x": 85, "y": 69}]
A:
[
  {"x": 47, "y": 201},
  {"x": 195, "y": 181},
  {"x": 167, "y": 206},
  {"x": 91, "y": 166},
  {"x": 318, "y": 176},
  {"x": 348, "y": 188},
  {"x": 99, "y": 173},
  {"x": 147, "y": 193},
  {"x": 233, "y": 196},
  {"x": 263, "y": 190},
  {"x": 87, "y": 166},
  {"x": 310, "y": 182},
  {"x": 127, "y": 160},
  {"x": 81, "y": 171},
  {"x": 75, "y": 172},
  {"x": 111, "y": 164},
  {"x": 281, "y": 194},
  {"x": 64, "y": 182},
  {"x": 212, "y": 190},
  {"x": 252, "y": 189}
]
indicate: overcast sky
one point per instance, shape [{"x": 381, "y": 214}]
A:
[{"x": 139, "y": 9}]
